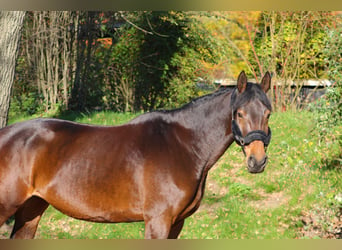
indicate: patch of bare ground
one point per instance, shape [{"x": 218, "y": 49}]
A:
[
  {"x": 213, "y": 189},
  {"x": 270, "y": 200},
  {"x": 266, "y": 201},
  {"x": 232, "y": 173}
]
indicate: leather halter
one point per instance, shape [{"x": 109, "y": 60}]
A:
[{"x": 256, "y": 135}]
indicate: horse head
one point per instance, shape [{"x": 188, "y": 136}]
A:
[{"x": 251, "y": 110}]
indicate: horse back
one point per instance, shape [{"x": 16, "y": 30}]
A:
[{"x": 111, "y": 173}]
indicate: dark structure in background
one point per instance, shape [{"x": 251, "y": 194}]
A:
[{"x": 303, "y": 91}]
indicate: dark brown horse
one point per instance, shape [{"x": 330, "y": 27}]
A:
[{"x": 152, "y": 169}]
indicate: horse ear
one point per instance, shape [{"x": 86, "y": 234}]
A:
[
  {"x": 266, "y": 82},
  {"x": 242, "y": 82}
]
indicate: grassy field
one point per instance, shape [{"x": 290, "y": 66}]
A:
[{"x": 298, "y": 196}]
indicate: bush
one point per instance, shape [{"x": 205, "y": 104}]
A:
[
  {"x": 329, "y": 108},
  {"x": 25, "y": 104},
  {"x": 157, "y": 65}
]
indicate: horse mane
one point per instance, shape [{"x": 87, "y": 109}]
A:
[
  {"x": 188, "y": 106},
  {"x": 198, "y": 101}
]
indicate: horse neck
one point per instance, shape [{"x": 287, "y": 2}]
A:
[{"x": 210, "y": 123}]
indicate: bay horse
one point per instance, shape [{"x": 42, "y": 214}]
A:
[{"x": 151, "y": 169}]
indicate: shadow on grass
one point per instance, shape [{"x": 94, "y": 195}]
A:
[
  {"x": 334, "y": 163},
  {"x": 10, "y": 220}
]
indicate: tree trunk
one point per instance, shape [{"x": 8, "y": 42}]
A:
[
  {"x": 10, "y": 29},
  {"x": 84, "y": 58}
]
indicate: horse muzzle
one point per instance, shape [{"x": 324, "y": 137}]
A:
[
  {"x": 254, "y": 166},
  {"x": 254, "y": 146}
]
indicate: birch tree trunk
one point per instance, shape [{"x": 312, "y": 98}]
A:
[{"x": 10, "y": 29}]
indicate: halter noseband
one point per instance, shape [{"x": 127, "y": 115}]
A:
[{"x": 256, "y": 135}]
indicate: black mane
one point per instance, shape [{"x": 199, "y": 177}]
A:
[{"x": 198, "y": 100}]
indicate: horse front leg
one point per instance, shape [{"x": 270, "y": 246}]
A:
[
  {"x": 27, "y": 218},
  {"x": 157, "y": 227},
  {"x": 176, "y": 229}
]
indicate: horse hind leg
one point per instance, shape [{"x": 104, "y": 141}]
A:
[
  {"x": 27, "y": 218},
  {"x": 176, "y": 229}
]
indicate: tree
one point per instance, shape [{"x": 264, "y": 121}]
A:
[
  {"x": 330, "y": 106},
  {"x": 145, "y": 60},
  {"x": 10, "y": 30},
  {"x": 85, "y": 51},
  {"x": 158, "y": 57},
  {"x": 92, "y": 59},
  {"x": 48, "y": 55},
  {"x": 290, "y": 45}
]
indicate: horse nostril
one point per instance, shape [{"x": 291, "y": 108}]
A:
[
  {"x": 251, "y": 161},
  {"x": 255, "y": 166}
]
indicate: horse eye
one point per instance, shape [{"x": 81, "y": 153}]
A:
[
  {"x": 268, "y": 116},
  {"x": 239, "y": 115}
]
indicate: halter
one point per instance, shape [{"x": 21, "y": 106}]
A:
[{"x": 255, "y": 135}]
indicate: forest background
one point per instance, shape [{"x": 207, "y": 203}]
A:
[
  {"x": 145, "y": 60},
  {"x": 97, "y": 67}
]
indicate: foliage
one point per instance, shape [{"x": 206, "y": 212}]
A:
[
  {"x": 86, "y": 87},
  {"x": 292, "y": 42},
  {"x": 25, "y": 104},
  {"x": 198, "y": 57},
  {"x": 240, "y": 30},
  {"x": 291, "y": 46},
  {"x": 158, "y": 63},
  {"x": 139, "y": 60},
  {"x": 45, "y": 65},
  {"x": 329, "y": 108},
  {"x": 143, "y": 60},
  {"x": 25, "y": 99},
  {"x": 118, "y": 72},
  {"x": 126, "y": 61}
]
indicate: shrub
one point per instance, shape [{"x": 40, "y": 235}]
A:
[{"x": 329, "y": 108}]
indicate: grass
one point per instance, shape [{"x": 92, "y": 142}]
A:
[{"x": 302, "y": 177}]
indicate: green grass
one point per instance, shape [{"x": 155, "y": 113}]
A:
[
  {"x": 302, "y": 176},
  {"x": 105, "y": 118}
]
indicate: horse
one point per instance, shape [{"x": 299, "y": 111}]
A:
[{"x": 151, "y": 169}]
